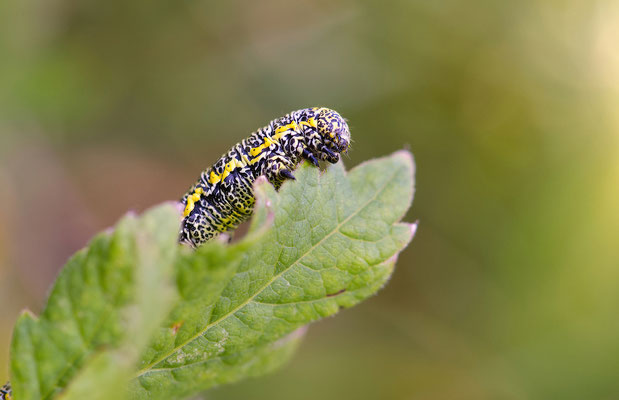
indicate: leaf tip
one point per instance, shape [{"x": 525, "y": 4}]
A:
[
  {"x": 176, "y": 205},
  {"x": 263, "y": 215},
  {"x": 406, "y": 156},
  {"x": 262, "y": 190},
  {"x": 27, "y": 315},
  {"x": 292, "y": 336},
  {"x": 261, "y": 180},
  {"x": 413, "y": 228}
]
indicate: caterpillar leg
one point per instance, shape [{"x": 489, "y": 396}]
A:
[
  {"x": 285, "y": 173},
  {"x": 328, "y": 155},
  {"x": 309, "y": 156},
  {"x": 279, "y": 169}
]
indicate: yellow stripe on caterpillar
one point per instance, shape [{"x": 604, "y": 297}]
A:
[
  {"x": 310, "y": 122},
  {"x": 191, "y": 200},
  {"x": 268, "y": 141}
]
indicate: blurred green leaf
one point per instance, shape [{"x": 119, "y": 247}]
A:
[{"x": 100, "y": 313}]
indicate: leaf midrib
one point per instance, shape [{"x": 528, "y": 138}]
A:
[{"x": 148, "y": 368}]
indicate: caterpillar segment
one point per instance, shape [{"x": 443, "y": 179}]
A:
[{"x": 222, "y": 197}]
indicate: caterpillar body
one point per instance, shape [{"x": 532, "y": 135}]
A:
[
  {"x": 5, "y": 392},
  {"x": 222, "y": 198}
]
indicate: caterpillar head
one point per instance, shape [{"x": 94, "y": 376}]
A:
[{"x": 333, "y": 133}]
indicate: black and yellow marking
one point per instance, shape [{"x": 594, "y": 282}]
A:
[
  {"x": 5, "y": 392},
  {"x": 222, "y": 198}
]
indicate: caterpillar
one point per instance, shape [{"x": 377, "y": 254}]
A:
[
  {"x": 222, "y": 197},
  {"x": 5, "y": 392}
]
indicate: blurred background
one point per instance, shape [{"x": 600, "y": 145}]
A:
[{"x": 510, "y": 289}]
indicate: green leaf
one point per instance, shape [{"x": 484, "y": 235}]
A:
[
  {"x": 101, "y": 312},
  {"x": 136, "y": 310},
  {"x": 334, "y": 243}
]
